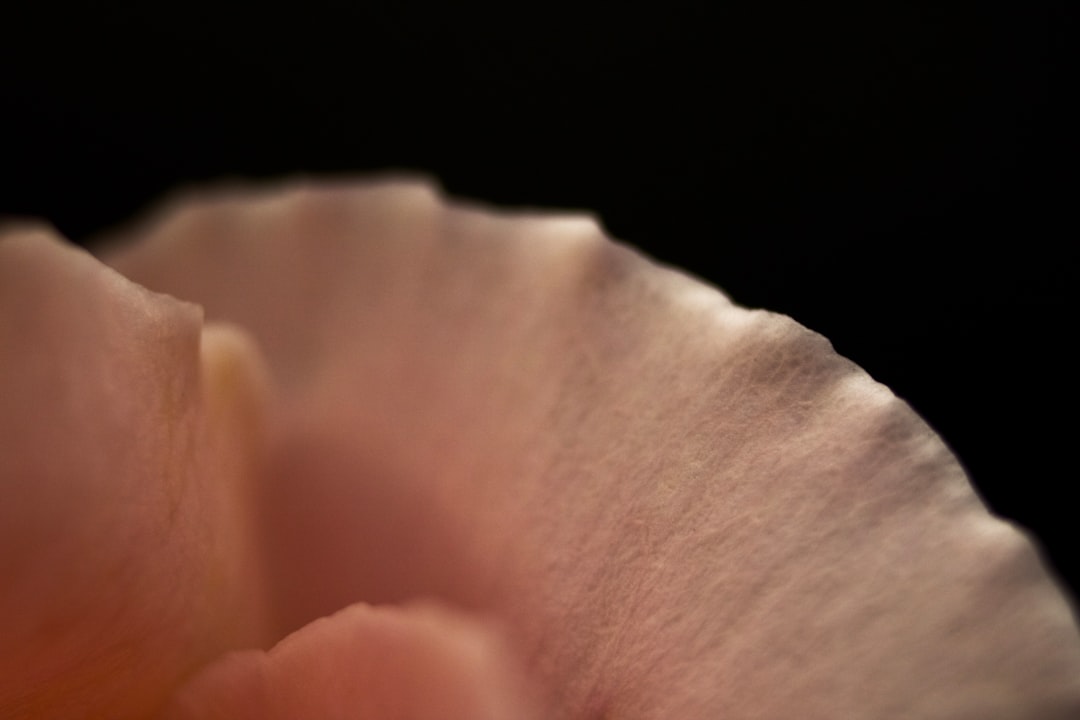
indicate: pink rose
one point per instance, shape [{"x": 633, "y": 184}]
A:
[{"x": 429, "y": 460}]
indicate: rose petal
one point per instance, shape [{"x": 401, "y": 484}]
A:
[
  {"x": 408, "y": 664},
  {"x": 126, "y": 556},
  {"x": 681, "y": 507}
]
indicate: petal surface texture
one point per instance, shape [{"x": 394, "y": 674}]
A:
[
  {"x": 679, "y": 507},
  {"x": 129, "y": 432}
]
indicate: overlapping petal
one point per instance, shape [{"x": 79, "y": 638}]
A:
[
  {"x": 675, "y": 507},
  {"x": 682, "y": 508},
  {"x": 130, "y": 436}
]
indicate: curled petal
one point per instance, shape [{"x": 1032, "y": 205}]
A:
[
  {"x": 129, "y": 436},
  {"x": 680, "y": 507}
]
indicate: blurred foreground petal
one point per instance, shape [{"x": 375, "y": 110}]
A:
[
  {"x": 420, "y": 663},
  {"x": 681, "y": 508}
]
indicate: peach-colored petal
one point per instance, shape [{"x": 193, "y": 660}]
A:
[
  {"x": 420, "y": 663},
  {"x": 681, "y": 508},
  {"x": 128, "y": 433}
]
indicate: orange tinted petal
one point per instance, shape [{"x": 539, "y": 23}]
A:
[
  {"x": 126, "y": 556},
  {"x": 681, "y": 507}
]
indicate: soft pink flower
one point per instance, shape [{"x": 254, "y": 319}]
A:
[{"x": 518, "y": 470}]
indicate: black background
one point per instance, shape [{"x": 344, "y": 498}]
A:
[{"x": 893, "y": 176}]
